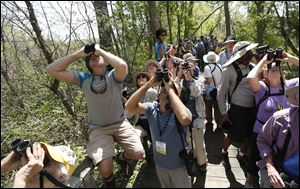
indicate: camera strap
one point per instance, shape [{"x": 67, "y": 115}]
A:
[
  {"x": 51, "y": 179},
  {"x": 181, "y": 131}
]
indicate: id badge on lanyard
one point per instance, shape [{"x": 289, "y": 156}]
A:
[{"x": 161, "y": 147}]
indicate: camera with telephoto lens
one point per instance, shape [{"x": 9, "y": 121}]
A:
[
  {"x": 162, "y": 74},
  {"x": 190, "y": 162},
  {"x": 19, "y": 146},
  {"x": 261, "y": 51},
  {"x": 274, "y": 55},
  {"x": 89, "y": 48}
]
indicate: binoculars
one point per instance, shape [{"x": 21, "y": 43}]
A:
[
  {"x": 89, "y": 48},
  {"x": 19, "y": 146},
  {"x": 271, "y": 55},
  {"x": 162, "y": 74}
]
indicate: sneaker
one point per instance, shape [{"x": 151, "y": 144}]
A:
[
  {"x": 123, "y": 164},
  {"x": 225, "y": 161}
]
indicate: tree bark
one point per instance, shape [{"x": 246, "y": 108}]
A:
[
  {"x": 153, "y": 19},
  {"x": 169, "y": 22},
  {"x": 260, "y": 23},
  {"x": 187, "y": 20},
  {"x": 103, "y": 22},
  {"x": 227, "y": 18}
]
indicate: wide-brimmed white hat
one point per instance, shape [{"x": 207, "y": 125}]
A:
[
  {"x": 189, "y": 57},
  {"x": 239, "y": 50},
  {"x": 229, "y": 39},
  {"x": 292, "y": 95},
  {"x": 211, "y": 57}
]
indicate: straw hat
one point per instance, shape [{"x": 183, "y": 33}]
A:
[
  {"x": 292, "y": 95},
  {"x": 239, "y": 50},
  {"x": 151, "y": 61},
  {"x": 211, "y": 57},
  {"x": 136, "y": 75},
  {"x": 189, "y": 57}
]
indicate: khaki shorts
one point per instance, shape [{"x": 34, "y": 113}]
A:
[{"x": 101, "y": 142}]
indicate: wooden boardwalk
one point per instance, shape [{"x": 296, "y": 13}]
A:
[{"x": 216, "y": 177}]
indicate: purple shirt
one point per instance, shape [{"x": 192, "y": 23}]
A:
[
  {"x": 275, "y": 130},
  {"x": 272, "y": 103}
]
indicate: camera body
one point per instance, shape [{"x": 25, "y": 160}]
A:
[
  {"x": 162, "y": 74},
  {"x": 189, "y": 159},
  {"x": 274, "y": 55},
  {"x": 19, "y": 146},
  {"x": 186, "y": 65}
]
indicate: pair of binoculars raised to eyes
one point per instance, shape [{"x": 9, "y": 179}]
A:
[{"x": 19, "y": 146}]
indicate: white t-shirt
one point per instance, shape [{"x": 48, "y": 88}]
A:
[{"x": 217, "y": 73}]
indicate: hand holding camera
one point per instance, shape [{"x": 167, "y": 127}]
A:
[{"x": 274, "y": 56}]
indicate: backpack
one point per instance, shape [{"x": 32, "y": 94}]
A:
[
  {"x": 212, "y": 92},
  {"x": 239, "y": 78}
]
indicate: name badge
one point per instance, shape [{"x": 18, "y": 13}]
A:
[{"x": 161, "y": 147}]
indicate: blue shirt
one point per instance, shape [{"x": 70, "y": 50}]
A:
[
  {"x": 170, "y": 136},
  {"x": 158, "y": 46}
]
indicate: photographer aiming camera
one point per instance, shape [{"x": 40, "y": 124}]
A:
[
  {"x": 162, "y": 115},
  {"x": 57, "y": 162},
  {"x": 267, "y": 82},
  {"x": 103, "y": 92},
  {"x": 191, "y": 96}
]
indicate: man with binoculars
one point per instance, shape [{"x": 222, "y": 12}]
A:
[
  {"x": 39, "y": 160},
  {"x": 102, "y": 90},
  {"x": 162, "y": 115}
]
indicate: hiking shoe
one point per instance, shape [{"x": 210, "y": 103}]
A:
[
  {"x": 202, "y": 168},
  {"x": 225, "y": 161},
  {"x": 124, "y": 165}
]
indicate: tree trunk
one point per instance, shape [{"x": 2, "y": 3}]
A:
[
  {"x": 153, "y": 23},
  {"x": 103, "y": 22},
  {"x": 284, "y": 33},
  {"x": 187, "y": 20},
  {"x": 169, "y": 22},
  {"x": 260, "y": 23},
  {"x": 48, "y": 55},
  {"x": 227, "y": 18}
]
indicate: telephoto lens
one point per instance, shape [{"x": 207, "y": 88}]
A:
[
  {"x": 21, "y": 149},
  {"x": 14, "y": 145}
]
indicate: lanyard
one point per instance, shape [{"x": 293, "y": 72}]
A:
[{"x": 161, "y": 131}]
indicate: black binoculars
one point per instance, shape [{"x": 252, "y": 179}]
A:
[
  {"x": 271, "y": 55},
  {"x": 19, "y": 146},
  {"x": 162, "y": 74},
  {"x": 89, "y": 48}
]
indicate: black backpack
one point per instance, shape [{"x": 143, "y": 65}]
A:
[{"x": 239, "y": 78}]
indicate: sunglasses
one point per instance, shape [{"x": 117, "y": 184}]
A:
[{"x": 142, "y": 76}]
